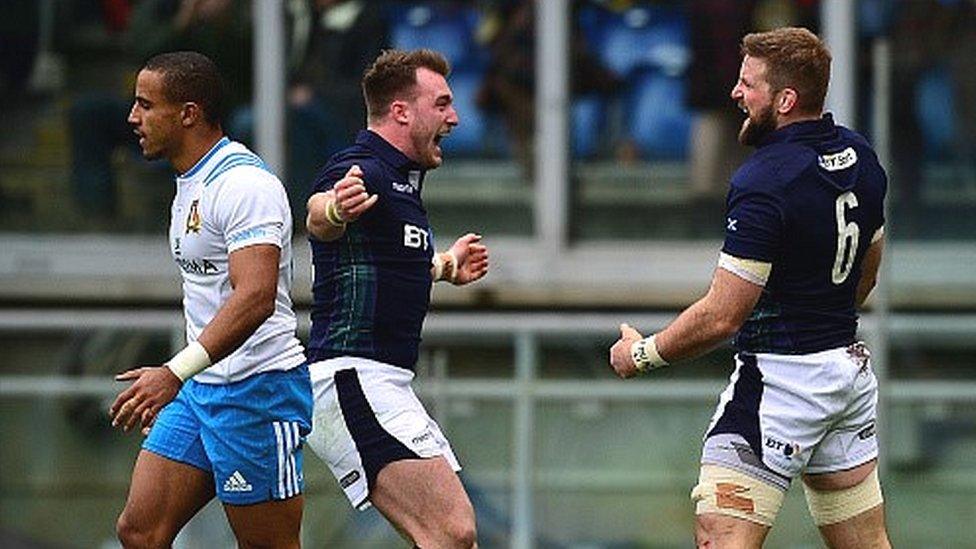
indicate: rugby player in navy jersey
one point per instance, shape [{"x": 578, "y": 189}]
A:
[
  {"x": 374, "y": 260},
  {"x": 803, "y": 242}
]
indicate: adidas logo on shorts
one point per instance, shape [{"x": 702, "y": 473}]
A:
[{"x": 237, "y": 483}]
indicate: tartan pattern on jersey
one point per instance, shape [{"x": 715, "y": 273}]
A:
[
  {"x": 766, "y": 331},
  {"x": 351, "y": 323}
]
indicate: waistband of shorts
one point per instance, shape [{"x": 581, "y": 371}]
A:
[
  {"x": 819, "y": 356},
  {"x": 330, "y": 366},
  {"x": 301, "y": 369}
]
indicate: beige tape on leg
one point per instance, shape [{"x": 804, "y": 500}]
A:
[
  {"x": 835, "y": 506},
  {"x": 725, "y": 491}
]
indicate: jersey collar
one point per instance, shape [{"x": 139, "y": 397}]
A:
[
  {"x": 387, "y": 152},
  {"x": 203, "y": 160},
  {"x": 800, "y": 130}
]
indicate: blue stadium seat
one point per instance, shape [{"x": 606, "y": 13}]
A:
[
  {"x": 441, "y": 26},
  {"x": 874, "y": 17},
  {"x": 587, "y": 116},
  {"x": 639, "y": 38},
  {"x": 936, "y": 112},
  {"x": 658, "y": 120},
  {"x": 647, "y": 47}
]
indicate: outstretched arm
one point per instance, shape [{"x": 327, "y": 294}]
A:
[{"x": 330, "y": 211}]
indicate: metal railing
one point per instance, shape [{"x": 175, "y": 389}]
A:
[{"x": 526, "y": 390}]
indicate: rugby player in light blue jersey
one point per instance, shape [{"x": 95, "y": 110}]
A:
[
  {"x": 374, "y": 259},
  {"x": 228, "y": 414},
  {"x": 803, "y": 242}
]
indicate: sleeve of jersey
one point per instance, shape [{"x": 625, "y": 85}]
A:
[
  {"x": 753, "y": 226},
  {"x": 326, "y": 178},
  {"x": 332, "y": 173},
  {"x": 251, "y": 209}
]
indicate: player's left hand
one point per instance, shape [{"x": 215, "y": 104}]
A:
[
  {"x": 472, "y": 257},
  {"x": 154, "y": 387},
  {"x": 621, "y": 360}
]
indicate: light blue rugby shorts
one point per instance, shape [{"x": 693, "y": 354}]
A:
[{"x": 249, "y": 434}]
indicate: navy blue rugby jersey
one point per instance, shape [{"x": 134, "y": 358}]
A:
[
  {"x": 371, "y": 287},
  {"x": 808, "y": 201}
]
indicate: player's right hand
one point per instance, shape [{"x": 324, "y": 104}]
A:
[
  {"x": 350, "y": 196},
  {"x": 621, "y": 360},
  {"x": 153, "y": 388}
]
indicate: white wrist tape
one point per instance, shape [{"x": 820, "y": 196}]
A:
[
  {"x": 445, "y": 266},
  {"x": 645, "y": 355},
  {"x": 192, "y": 360}
]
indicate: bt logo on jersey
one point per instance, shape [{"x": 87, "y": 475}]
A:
[
  {"x": 838, "y": 161},
  {"x": 415, "y": 237}
]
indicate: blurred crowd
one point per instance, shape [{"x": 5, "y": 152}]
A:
[{"x": 649, "y": 79}]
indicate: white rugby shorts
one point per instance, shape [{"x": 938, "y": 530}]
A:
[
  {"x": 784, "y": 415},
  {"x": 365, "y": 416}
]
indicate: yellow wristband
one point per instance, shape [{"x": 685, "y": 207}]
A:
[
  {"x": 645, "y": 355},
  {"x": 332, "y": 215},
  {"x": 192, "y": 360}
]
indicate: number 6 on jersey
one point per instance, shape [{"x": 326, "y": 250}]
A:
[{"x": 847, "y": 237}]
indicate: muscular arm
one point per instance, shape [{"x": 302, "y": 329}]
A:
[
  {"x": 347, "y": 199},
  {"x": 253, "y": 274},
  {"x": 869, "y": 271},
  {"x": 711, "y": 320},
  {"x": 698, "y": 329}
]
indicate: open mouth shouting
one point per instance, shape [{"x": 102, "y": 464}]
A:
[{"x": 440, "y": 136}]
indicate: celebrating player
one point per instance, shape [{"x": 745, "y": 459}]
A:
[
  {"x": 374, "y": 259},
  {"x": 803, "y": 242}
]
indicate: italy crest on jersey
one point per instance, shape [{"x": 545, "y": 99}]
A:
[{"x": 193, "y": 220}]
